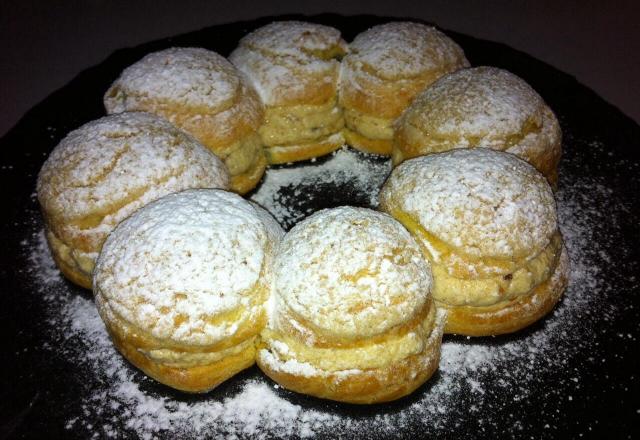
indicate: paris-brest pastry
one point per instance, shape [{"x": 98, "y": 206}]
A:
[
  {"x": 102, "y": 172},
  {"x": 195, "y": 284}
]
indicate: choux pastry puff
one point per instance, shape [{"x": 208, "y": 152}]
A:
[
  {"x": 181, "y": 286},
  {"x": 294, "y": 67},
  {"x": 352, "y": 317},
  {"x": 486, "y": 220},
  {"x": 481, "y": 107},
  {"x": 386, "y": 67}
]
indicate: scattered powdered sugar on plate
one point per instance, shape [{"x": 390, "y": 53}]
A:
[
  {"x": 477, "y": 377},
  {"x": 290, "y": 193}
]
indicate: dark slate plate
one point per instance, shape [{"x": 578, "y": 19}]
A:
[{"x": 591, "y": 391}]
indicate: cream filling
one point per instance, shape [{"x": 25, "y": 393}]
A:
[
  {"x": 487, "y": 291},
  {"x": 301, "y": 123},
  {"x": 181, "y": 359},
  {"x": 369, "y": 126},
  {"x": 366, "y": 356},
  {"x": 296, "y": 367}
]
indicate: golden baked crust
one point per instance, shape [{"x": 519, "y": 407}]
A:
[
  {"x": 181, "y": 286},
  {"x": 200, "y": 92},
  {"x": 294, "y": 68},
  {"x": 486, "y": 221},
  {"x": 386, "y": 67},
  {"x": 481, "y": 107},
  {"x": 352, "y": 318},
  {"x": 102, "y": 172}
]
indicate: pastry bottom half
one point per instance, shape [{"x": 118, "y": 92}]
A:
[
  {"x": 299, "y": 152},
  {"x": 245, "y": 162},
  {"x": 244, "y": 182},
  {"x": 368, "y": 133},
  {"x": 360, "y": 142},
  {"x": 396, "y": 377},
  {"x": 185, "y": 367},
  {"x": 198, "y": 378},
  {"x": 512, "y": 315}
]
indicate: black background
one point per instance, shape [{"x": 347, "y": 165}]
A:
[{"x": 44, "y": 44}]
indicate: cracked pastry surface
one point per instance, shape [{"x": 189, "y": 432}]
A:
[
  {"x": 202, "y": 93},
  {"x": 481, "y": 107},
  {"x": 294, "y": 67},
  {"x": 102, "y": 172},
  {"x": 182, "y": 284},
  {"x": 487, "y": 222},
  {"x": 386, "y": 67},
  {"x": 352, "y": 318}
]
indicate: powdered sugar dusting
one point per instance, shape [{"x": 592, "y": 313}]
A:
[
  {"x": 193, "y": 76},
  {"x": 190, "y": 255},
  {"x": 294, "y": 38},
  {"x": 287, "y": 61},
  {"x": 484, "y": 102},
  {"x": 115, "y": 399},
  {"x": 404, "y": 50},
  {"x": 352, "y": 271},
  {"x": 480, "y": 201},
  {"x": 106, "y": 160},
  {"x": 289, "y": 193}
]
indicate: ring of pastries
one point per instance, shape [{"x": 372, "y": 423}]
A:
[
  {"x": 195, "y": 285},
  {"x": 294, "y": 68},
  {"x": 105, "y": 170},
  {"x": 352, "y": 316},
  {"x": 182, "y": 284},
  {"x": 486, "y": 220},
  {"x": 481, "y": 107},
  {"x": 200, "y": 92},
  {"x": 386, "y": 67}
]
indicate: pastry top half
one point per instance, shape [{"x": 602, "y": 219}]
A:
[
  {"x": 196, "y": 89},
  {"x": 190, "y": 269},
  {"x": 102, "y": 172},
  {"x": 389, "y": 64},
  {"x": 291, "y": 63},
  {"x": 481, "y": 107},
  {"x": 480, "y": 210},
  {"x": 349, "y": 274}
]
